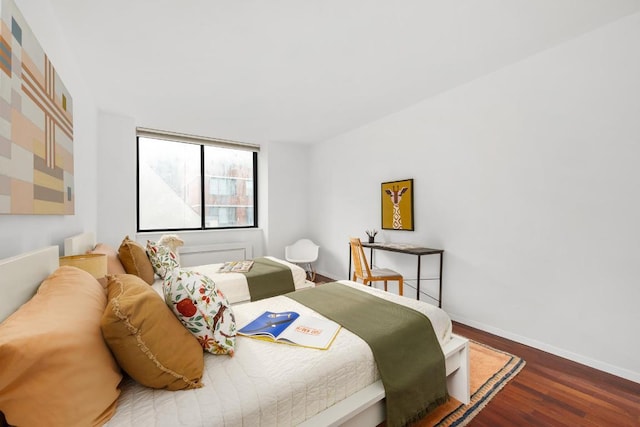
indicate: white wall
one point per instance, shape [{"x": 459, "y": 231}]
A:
[
  {"x": 289, "y": 195},
  {"x": 116, "y": 178},
  {"x": 26, "y": 232},
  {"x": 529, "y": 179}
]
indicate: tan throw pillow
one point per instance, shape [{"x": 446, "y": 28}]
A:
[
  {"x": 135, "y": 260},
  {"x": 148, "y": 341},
  {"x": 114, "y": 266},
  {"x": 55, "y": 364}
]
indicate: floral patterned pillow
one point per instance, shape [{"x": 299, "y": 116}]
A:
[
  {"x": 202, "y": 308},
  {"x": 162, "y": 258}
]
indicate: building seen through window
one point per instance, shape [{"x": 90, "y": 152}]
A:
[{"x": 184, "y": 186}]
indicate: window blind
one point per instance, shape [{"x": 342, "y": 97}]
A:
[{"x": 193, "y": 139}]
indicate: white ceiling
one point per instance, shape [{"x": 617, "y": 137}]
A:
[{"x": 302, "y": 70}]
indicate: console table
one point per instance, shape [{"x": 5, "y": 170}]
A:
[{"x": 410, "y": 250}]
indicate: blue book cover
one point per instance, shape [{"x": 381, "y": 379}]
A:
[
  {"x": 269, "y": 323},
  {"x": 289, "y": 327}
]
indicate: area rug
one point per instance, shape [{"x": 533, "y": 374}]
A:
[{"x": 491, "y": 369}]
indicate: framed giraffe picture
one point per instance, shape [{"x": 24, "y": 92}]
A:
[{"x": 397, "y": 205}]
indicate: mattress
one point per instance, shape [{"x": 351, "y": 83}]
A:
[
  {"x": 264, "y": 383},
  {"x": 234, "y": 285}
]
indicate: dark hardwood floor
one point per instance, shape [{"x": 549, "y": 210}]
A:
[
  {"x": 322, "y": 279},
  {"x": 553, "y": 391}
]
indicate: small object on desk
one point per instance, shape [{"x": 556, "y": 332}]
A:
[{"x": 372, "y": 235}]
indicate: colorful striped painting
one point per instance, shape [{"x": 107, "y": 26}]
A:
[{"x": 36, "y": 125}]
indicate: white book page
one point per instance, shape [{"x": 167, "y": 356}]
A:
[{"x": 311, "y": 331}]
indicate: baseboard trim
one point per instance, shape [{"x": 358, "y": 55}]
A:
[
  {"x": 583, "y": 360},
  {"x": 578, "y": 358}
]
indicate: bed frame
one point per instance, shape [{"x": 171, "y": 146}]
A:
[
  {"x": 79, "y": 244},
  {"x": 21, "y": 275}
]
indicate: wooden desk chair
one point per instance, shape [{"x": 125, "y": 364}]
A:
[{"x": 367, "y": 275}]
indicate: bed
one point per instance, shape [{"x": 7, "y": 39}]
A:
[
  {"x": 234, "y": 285},
  {"x": 319, "y": 388}
]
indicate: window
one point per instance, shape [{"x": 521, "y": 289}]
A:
[{"x": 193, "y": 183}]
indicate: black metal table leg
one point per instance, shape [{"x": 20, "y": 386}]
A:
[
  {"x": 418, "y": 280},
  {"x": 440, "y": 279}
]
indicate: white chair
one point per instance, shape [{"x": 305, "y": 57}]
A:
[{"x": 303, "y": 252}]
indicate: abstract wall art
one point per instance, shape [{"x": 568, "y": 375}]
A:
[
  {"x": 397, "y": 205},
  {"x": 36, "y": 125}
]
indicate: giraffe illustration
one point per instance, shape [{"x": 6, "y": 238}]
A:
[{"x": 396, "y": 195}]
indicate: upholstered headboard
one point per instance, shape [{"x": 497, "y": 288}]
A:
[{"x": 21, "y": 275}]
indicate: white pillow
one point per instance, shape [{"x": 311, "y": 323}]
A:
[
  {"x": 162, "y": 258},
  {"x": 202, "y": 308}
]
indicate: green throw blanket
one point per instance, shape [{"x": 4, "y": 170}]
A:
[
  {"x": 268, "y": 278},
  {"x": 405, "y": 347}
]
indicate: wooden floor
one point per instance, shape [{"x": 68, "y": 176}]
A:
[{"x": 552, "y": 391}]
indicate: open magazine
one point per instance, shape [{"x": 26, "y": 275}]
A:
[
  {"x": 289, "y": 327},
  {"x": 236, "y": 266}
]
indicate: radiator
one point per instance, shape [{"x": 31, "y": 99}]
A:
[{"x": 217, "y": 253}]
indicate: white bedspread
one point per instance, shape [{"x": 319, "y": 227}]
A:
[
  {"x": 267, "y": 384},
  {"x": 234, "y": 285}
]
